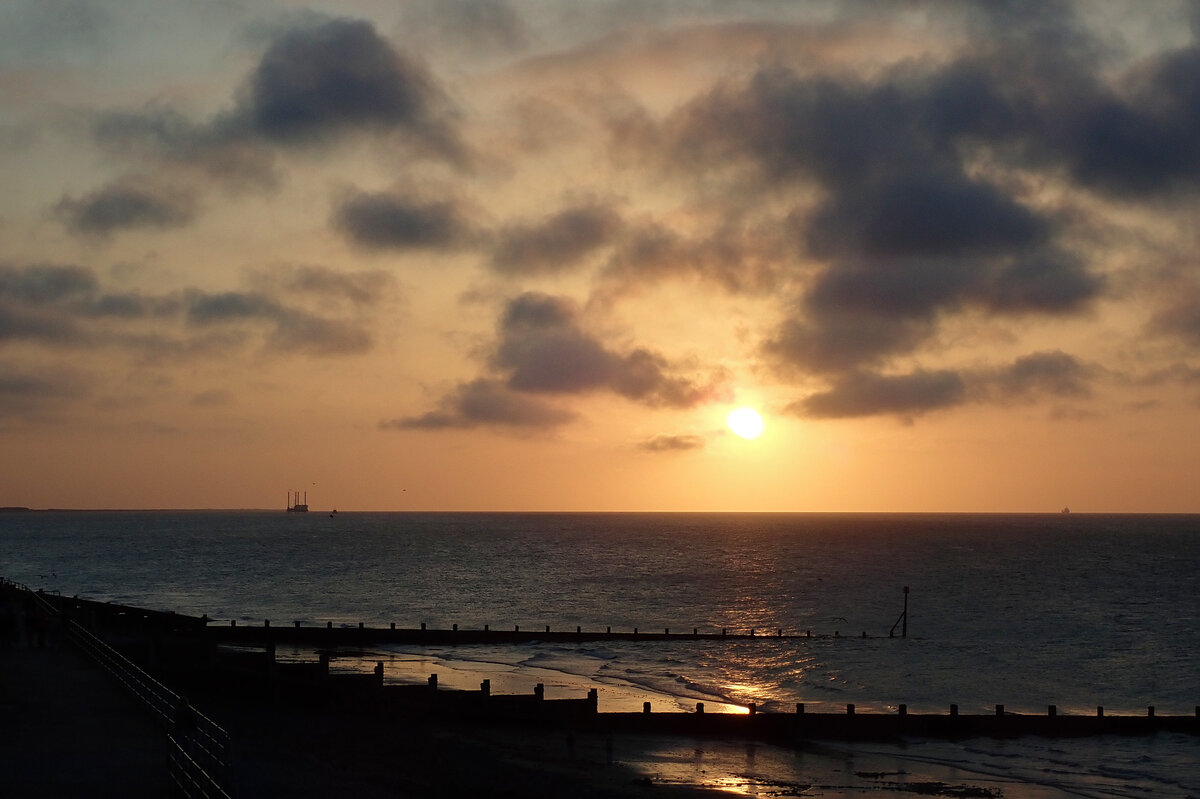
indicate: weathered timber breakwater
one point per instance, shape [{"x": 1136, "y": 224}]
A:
[{"x": 239, "y": 663}]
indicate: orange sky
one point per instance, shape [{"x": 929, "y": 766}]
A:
[{"x": 529, "y": 255}]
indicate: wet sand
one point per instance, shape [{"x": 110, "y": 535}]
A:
[{"x": 69, "y": 729}]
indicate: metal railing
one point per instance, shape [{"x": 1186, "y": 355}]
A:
[
  {"x": 198, "y": 762},
  {"x": 198, "y": 749}
]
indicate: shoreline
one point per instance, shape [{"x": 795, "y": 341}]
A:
[{"x": 352, "y": 739}]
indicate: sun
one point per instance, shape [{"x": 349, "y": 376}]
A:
[{"x": 746, "y": 422}]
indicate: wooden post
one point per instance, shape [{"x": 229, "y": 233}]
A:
[
  {"x": 753, "y": 708},
  {"x": 954, "y": 710},
  {"x": 433, "y": 682},
  {"x": 379, "y": 673},
  {"x": 699, "y": 707},
  {"x": 297, "y": 623},
  {"x": 594, "y": 700},
  {"x": 799, "y": 708},
  {"x": 422, "y": 626},
  {"x": 850, "y": 709},
  {"x": 1100, "y": 711},
  {"x": 485, "y": 687},
  {"x": 1052, "y": 710},
  {"x": 266, "y": 622},
  {"x": 645, "y": 707},
  {"x": 903, "y": 709},
  {"x": 1150, "y": 711},
  {"x": 328, "y": 625},
  {"x": 578, "y": 629},
  {"x": 455, "y": 628},
  {"x": 393, "y": 625},
  {"x": 999, "y": 710},
  {"x": 539, "y": 691}
]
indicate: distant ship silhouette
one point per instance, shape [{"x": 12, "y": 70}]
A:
[{"x": 1065, "y": 510}]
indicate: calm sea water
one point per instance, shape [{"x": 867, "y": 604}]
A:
[{"x": 1023, "y": 610}]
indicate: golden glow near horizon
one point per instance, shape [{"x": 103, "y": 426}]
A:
[
  {"x": 439, "y": 255},
  {"x": 745, "y": 422}
]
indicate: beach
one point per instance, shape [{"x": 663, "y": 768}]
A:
[
  {"x": 71, "y": 730},
  {"x": 1025, "y": 611}
]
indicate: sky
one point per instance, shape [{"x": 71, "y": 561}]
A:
[{"x": 529, "y": 254}]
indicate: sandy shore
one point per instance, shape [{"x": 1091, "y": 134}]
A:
[{"x": 68, "y": 729}]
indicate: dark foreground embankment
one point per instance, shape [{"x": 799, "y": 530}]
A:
[
  {"x": 299, "y": 730},
  {"x": 239, "y": 661}
]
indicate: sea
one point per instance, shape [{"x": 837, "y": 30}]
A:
[{"x": 1073, "y": 610}]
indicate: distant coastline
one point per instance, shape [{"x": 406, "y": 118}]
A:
[{"x": 476, "y": 512}]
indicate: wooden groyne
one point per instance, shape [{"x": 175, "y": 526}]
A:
[
  {"x": 258, "y": 676},
  {"x": 239, "y": 661},
  {"x": 116, "y": 617}
]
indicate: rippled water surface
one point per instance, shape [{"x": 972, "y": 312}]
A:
[{"x": 1023, "y": 610}]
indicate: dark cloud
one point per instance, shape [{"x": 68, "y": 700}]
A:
[
  {"x": 1055, "y": 373},
  {"x": 303, "y": 332},
  {"x": 359, "y": 288},
  {"x": 838, "y": 339},
  {"x": 55, "y": 303},
  {"x": 543, "y": 349},
  {"x": 737, "y": 257},
  {"x": 1180, "y": 319},
  {"x": 1138, "y": 142},
  {"x": 65, "y": 305},
  {"x": 126, "y": 204},
  {"x": 46, "y": 284},
  {"x": 314, "y": 83},
  {"x": 203, "y": 308},
  {"x": 667, "y": 443},
  {"x": 294, "y": 329},
  {"x": 487, "y": 403},
  {"x": 557, "y": 242},
  {"x": 906, "y": 232},
  {"x": 859, "y": 393},
  {"x": 33, "y": 299},
  {"x": 218, "y": 150},
  {"x": 869, "y": 394},
  {"x": 23, "y": 324},
  {"x": 342, "y": 75},
  {"x": 25, "y": 390},
  {"x": 924, "y": 214},
  {"x": 390, "y": 221}
]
